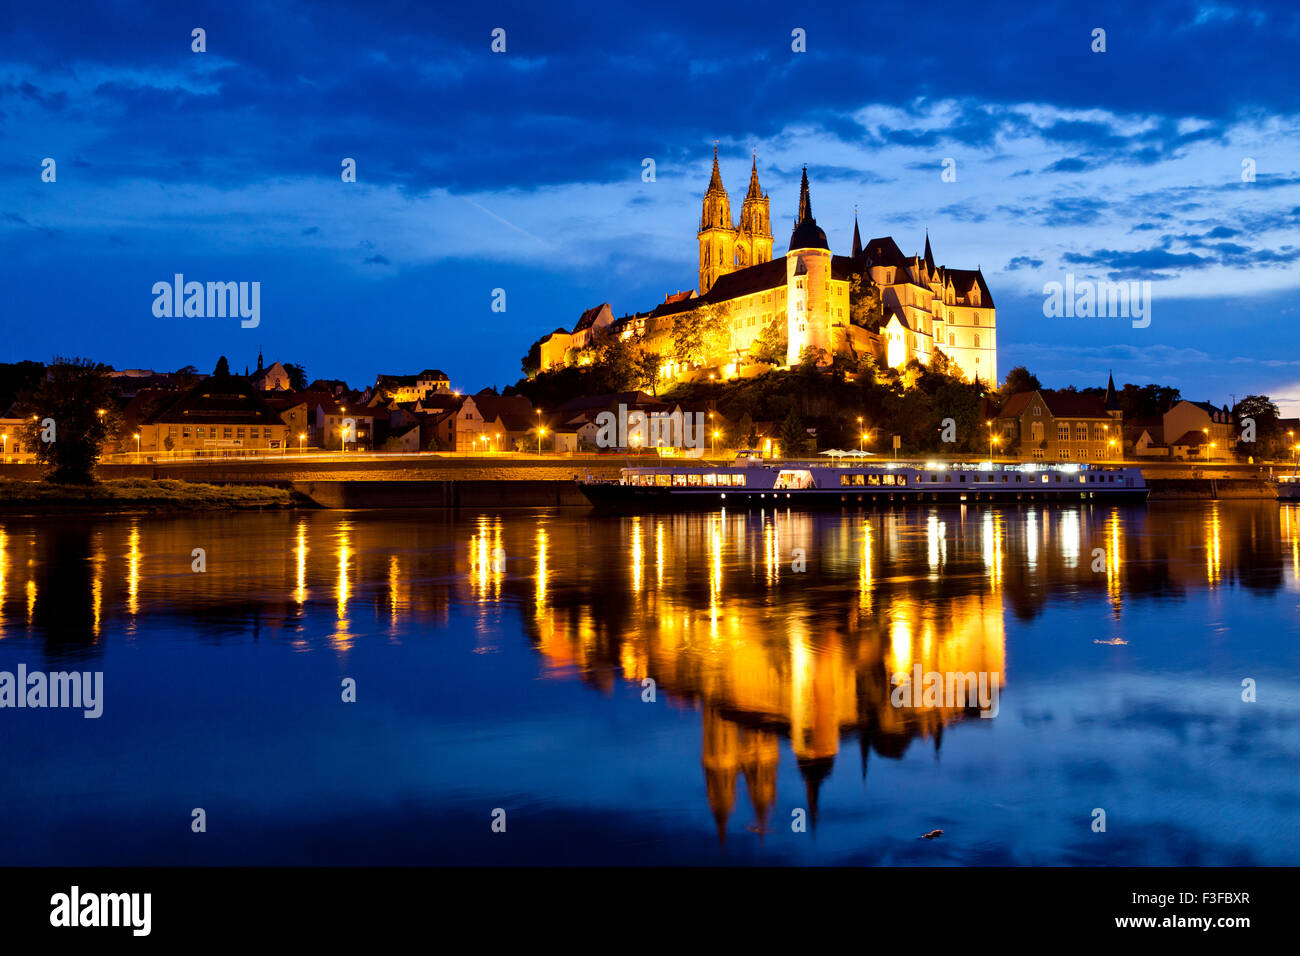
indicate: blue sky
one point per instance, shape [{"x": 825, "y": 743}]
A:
[{"x": 522, "y": 171}]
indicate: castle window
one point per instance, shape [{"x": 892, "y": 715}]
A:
[
  {"x": 1063, "y": 431},
  {"x": 977, "y": 341},
  {"x": 977, "y": 320},
  {"x": 952, "y": 339}
]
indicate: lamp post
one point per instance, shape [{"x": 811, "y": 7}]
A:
[
  {"x": 990, "y": 424},
  {"x": 863, "y": 438},
  {"x": 540, "y": 432},
  {"x": 137, "y": 448},
  {"x": 713, "y": 445},
  {"x": 4, "y": 437},
  {"x": 301, "y": 437}
]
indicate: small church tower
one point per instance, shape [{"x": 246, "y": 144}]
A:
[{"x": 717, "y": 235}]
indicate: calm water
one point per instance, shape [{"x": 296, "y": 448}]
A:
[{"x": 499, "y": 663}]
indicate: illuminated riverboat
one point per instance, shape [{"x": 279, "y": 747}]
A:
[{"x": 751, "y": 483}]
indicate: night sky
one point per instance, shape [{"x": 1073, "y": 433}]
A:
[{"x": 523, "y": 171}]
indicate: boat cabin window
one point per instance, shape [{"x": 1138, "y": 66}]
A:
[
  {"x": 679, "y": 480},
  {"x": 794, "y": 479},
  {"x": 710, "y": 480},
  {"x": 663, "y": 479},
  {"x": 694, "y": 480}
]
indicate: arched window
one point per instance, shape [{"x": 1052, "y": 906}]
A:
[
  {"x": 977, "y": 341},
  {"x": 952, "y": 339}
]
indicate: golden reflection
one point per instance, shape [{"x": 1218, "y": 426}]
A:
[
  {"x": 487, "y": 560},
  {"x": 994, "y": 536},
  {"x": 31, "y": 600},
  {"x": 771, "y": 550},
  {"x": 1113, "y": 561},
  {"x": 864, "y": 568},
  {"x": 133, "y": 569},
  {"x": 1213, "y": 567},
  {"x": 637, "y": 555},
  {"x": 97, "y": 562},
  {"x": 542, "y": 543},
  {"x": 4, "y": 576},
  {"x": 659, "y": 554},
  {"x": 300, "y": 553},
  {"x": 394, "y": 585},
  {"x": 342, "y": 639}
]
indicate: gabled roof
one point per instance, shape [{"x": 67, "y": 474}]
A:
[
  {"x": 515, "y": 412},
  {"x": 588, "y": 318},
  {"x": 219, "y": 399},
  {"x": 1193, "y": 437},
  {"x": 1058, "y": 404}
]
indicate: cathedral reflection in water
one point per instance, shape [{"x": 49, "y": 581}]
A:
[{"x": 773, "y": 625}]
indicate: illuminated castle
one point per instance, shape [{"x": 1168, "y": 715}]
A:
[{"x": 746, "y": 301}]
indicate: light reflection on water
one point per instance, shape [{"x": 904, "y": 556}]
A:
[{"x": 506, "y": 660}]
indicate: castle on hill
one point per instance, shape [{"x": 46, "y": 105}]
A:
[{"x": 874, "y": 302}]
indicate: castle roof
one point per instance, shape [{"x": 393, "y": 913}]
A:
[
  {"x": 589, "y": 317},
  {"x": 963, "y": 280}
]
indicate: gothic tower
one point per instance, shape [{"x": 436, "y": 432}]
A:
[
  {"x": 754, "y": 243},
  {"x": 808, "y": 284},
  {"x": 717, "y": 235}
]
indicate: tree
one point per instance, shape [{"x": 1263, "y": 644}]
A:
[
  {"x": 746, "y": 433},
  {"x": 772, "y": 343},
  {"x": 1019, "y": 379},
  {"x": 645, "y": 368},
  {"x": 223, "y": 367},
  {"x": 794, "y": 436},
  {"x": 865, "y": 306},
  {"x": 1264, "y": 413},
  {"x": 297, "y": 377},
  {"x": 689, "y": 336},
  {"x": 532, "y": 362},
  {"x": 70, "y": 417}
]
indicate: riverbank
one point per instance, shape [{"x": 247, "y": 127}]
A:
[{"x": 139, "y": 494}]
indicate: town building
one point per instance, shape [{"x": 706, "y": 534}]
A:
[
  {"x": 1046, "y": 425},
  {"x": 221, "y": 416}
]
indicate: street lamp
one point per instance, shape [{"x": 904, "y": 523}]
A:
[
  {"x": 301, "y": 437},
  {"x": 713, "y": 445},
  {"x": 540, "y": 432},
  {"x": 991, "y": 439},
  {"x": 863, "y": 438},
  {"x": 137, "y": 447}
]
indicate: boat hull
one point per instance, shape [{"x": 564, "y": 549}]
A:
[{"x": 612, "y": 496}]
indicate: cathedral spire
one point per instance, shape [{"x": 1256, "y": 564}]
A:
[
  {"x": 857, "y": 237},
  {"x": 716, "y": 181},
  {"x": 929, "y": 256},
  {"x": 754, "y": 191},
  {"x": 1112, "y": 400}
]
